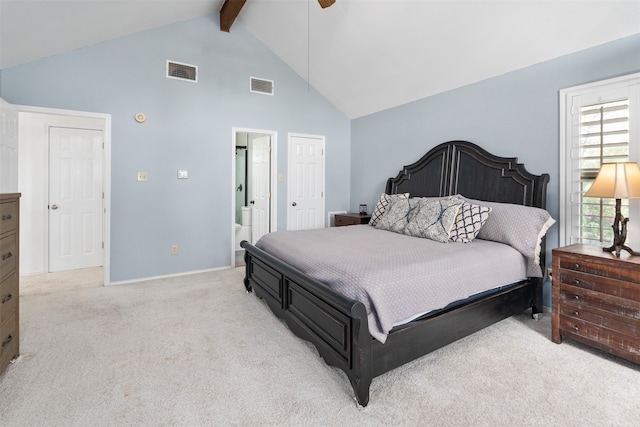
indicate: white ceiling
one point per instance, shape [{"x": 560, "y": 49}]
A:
[{"x": 362, "y": 55}]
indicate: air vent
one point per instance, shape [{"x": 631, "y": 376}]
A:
[
  {"x": 262, "y": 86},
  {"x": 176, "y": 70}
]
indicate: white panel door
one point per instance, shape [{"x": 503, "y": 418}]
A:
[
  {"x": 75, "y": 199},
  {"x": 260, "y": 188},
  {"x": 306, "y": 182}
]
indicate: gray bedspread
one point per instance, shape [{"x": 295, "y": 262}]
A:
[{"x": 396, "y": 277}]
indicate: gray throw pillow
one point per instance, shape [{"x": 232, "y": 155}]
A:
[
  {"x": 397, "y": 215},
  {"x": 434, "y": 219},
  {"x": 521, "y": 227}
]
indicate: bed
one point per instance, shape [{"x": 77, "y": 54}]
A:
[{"x": 340, "y": 326}]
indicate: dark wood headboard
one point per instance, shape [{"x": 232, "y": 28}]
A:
[{"x": 461, "y": 167}]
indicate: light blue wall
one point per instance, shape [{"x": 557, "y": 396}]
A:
[
  {"x": 515, "y": 114},
  {"x": 188, "y": 127}
]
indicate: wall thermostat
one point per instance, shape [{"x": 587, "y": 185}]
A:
[{"x": 140, "y": 117}]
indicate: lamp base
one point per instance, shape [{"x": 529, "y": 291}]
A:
[
  {"x": 618, "y": 248},
  {"x": 619, "y": 234}
]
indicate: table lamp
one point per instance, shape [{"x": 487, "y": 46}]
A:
[{"x": 617, "y": 180}]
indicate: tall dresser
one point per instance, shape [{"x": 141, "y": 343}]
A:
[{"x": 9, "y": 287}]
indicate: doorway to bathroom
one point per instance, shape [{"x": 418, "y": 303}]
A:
[{"x": 254, "y": 185}]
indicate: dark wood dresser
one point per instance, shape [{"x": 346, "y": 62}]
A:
[
  {"x": 351, "y": 219},
  {"x": 9, "y": 278},
  {"x": 596, "y": 299}
]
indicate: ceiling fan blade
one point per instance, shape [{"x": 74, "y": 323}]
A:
[{"x": 326, "y": 3}]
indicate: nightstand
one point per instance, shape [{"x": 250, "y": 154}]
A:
[
  {"x": 596, "y": 299},
  {"x": 351, "y": 219}
]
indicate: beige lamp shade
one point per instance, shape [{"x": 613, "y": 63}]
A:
[{"x": 616, "y": 181}]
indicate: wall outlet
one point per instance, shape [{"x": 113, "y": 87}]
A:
[
  {"x": 174, "y": 249},
  {"x": 143, "y": 176}
]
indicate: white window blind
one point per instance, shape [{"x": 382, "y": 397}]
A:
[
  {"x": 599, "y": 123},
  {"x": 604, "y": 138}
]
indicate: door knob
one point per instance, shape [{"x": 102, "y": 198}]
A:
[
  {"x": 54, "y": 207},
  {"x": 294, "y": 204}
]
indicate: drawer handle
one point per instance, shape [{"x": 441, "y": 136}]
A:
[
  {"x": 576, "y": 297},
  {"x": 576, "y": 282},
  {"x": 7, "y": 255},
  {"x": 7, "y": 298},
  {"x": 6, "y": 217},
  {"x": 575, "y": 328},
  {"x": 7, "y": 341},
  {"x": 576, "y": 266},
  {"x": 575, "y": 313}
]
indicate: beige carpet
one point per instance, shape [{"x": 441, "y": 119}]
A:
[{"x": 197, "y": 350}]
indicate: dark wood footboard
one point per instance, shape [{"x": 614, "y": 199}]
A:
[
  {"x": 338, "y": 328},
  {"x": 334, "y": 324}
]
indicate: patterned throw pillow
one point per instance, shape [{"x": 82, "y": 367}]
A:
[
  {"x": 381, "y": 206},
  {"x": 434, "y": 219},
  {"x": 398, "y": 214},
  {"x": 468, "y": 223}
]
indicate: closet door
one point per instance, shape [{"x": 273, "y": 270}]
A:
[{"x": 75, "y": 199}]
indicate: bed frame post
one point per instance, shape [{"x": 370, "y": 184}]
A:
[
  {"x": 247, "y": 270},
  {"x": 362, "y": 374}
]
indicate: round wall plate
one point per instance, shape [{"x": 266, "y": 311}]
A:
[{"x": 140, "y": 117}]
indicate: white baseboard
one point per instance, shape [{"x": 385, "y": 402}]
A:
[{"x": 165, "y": 276}]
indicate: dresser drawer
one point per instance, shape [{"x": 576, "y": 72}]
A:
[
  {"x": 601, "y": 269},
  {"x": 604, "y": 285},
  {"x": 618, "y": 323},
  {"x": 575, "y": 296},
  {"x": 8, "y": 335},
  {"x": 8, "y": 216},
  {"x": 8, "y": 296},
  {"x": 8, "y": 255},
  {"x": 600, "y": 337}
]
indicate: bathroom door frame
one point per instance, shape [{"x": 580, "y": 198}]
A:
[{"x": 273, "y": 184}]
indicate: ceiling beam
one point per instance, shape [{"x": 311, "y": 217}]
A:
[
  {"x": 326, "y": 3},
  {"x": 229, "y": 12}
]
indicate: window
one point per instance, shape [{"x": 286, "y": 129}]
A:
[
  {"x": 600, "y": 123},
  {"x": 604, "y": 138}
]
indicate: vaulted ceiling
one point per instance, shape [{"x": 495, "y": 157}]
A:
[{"x": 362, "y": 55}]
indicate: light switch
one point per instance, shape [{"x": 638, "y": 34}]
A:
[
  {"x": 143, "y": 176},
  {"x": 183, "y": 174}
]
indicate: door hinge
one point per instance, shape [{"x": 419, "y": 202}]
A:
[
  {"x": 102, "y": 245},
  {"x": 269, "y": 148}
]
